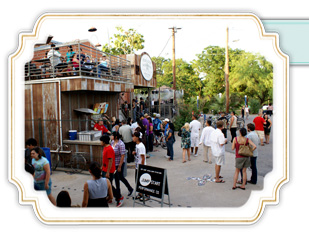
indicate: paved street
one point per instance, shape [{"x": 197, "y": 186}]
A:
[{"x": 184, "y": 192}]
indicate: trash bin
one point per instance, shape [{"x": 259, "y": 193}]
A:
[{"x": 47, "y": 153}]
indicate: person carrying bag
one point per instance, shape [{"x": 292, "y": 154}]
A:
[{"x": 245, "y": 150}]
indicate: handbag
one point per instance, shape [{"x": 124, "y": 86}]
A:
[
  {"x": 245, "y": 150},
  {"x": 180, "y": 132}
]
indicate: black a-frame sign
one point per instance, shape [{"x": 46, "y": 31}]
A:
[{"x": 152, "y": 181}]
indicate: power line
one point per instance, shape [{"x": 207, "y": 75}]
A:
[{"x": 165, "y": 45}]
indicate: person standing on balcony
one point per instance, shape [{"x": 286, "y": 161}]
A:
[
  {"x": 103, "y": 66},
  {"x": 70, "y": 54},
  {"x": 55, "y": 57}
]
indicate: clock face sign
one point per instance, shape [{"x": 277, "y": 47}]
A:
[{"x": 146, "y": 66}]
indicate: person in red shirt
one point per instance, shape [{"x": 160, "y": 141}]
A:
[
  {"x": 259, "y": 126},
  {"x": 108, "y": 167},
  {"x": 100, "y": 127}
]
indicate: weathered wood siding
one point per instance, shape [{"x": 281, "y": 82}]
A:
[
  {"x": 83, "y": 84},
  {"x": 42, "y": 113},
  {"x": 84, "y": 99},
  {"x": 42, "y": 117}
]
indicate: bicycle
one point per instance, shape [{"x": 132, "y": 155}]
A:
[
  {"x": 56, "y": 160},
  {"x": 78, "y": 161},
  {"x": 159, "y": 140},
  {"x": 240, "y": 123}
]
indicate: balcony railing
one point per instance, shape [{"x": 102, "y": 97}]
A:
[{"x": 76, "y": 59}]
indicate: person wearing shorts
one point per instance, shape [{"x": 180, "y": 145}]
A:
[
  {"x": 218, "y": 142},
  {"x": 259, "y": 122},
  {"x": 195, "y": 127},
  {"x": 241, "y": 162},
  {"x": 42, "y": 180}
]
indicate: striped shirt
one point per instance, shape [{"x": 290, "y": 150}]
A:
[{"x": 119, "y": 150}]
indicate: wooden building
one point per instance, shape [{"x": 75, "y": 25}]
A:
[{"x": 53, "y": 96}]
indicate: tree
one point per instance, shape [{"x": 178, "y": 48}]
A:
[
  {"x": 186, "y": 78},
  {"x": 252, "y": 75},
  {"x": 209, "y": 65},
  {"x": 125, "y": 42}
]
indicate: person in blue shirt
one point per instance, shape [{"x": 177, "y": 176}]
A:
[
  {"x": 157, "y": 125},
  {"x": 166, "y": 123},
  {"x": 70, "y": 54}
]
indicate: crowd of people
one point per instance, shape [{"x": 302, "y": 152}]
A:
[
  {"x": 71, "y": 62},
  {"x": 214, "y": 141},
  {"x": 135, "y": 140}
]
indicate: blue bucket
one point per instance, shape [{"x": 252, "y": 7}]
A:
[
  {"x": 72, "y": 134},
  {"x": 47, "y": 153}
]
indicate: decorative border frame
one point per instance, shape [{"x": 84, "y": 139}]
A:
[{"x": 40, "y": 205}]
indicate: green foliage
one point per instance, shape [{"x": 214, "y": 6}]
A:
[
  {"x": 125, "y": 42},
  {"x": 217, "y": 104},
  {"x": 209, "y": 65},
  {"x": 249, "y": 74},
  {"x": 185, "y": 76},
  {"x": 185, "y": 114},
  {"x": 252, "y": 75},
  {"x": 254, "y": 105}
]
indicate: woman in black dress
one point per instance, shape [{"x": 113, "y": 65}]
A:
[{"x": 267, "y": 128}]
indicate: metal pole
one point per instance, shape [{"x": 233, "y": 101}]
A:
[
  {"x": 159, "y": 101},
  {"x": 174, "y": 66},
  {"x": 40, "y": 133},
  {"x": 79, "y": 58},
  {"x": 174, "y": 30},
  {"x": 227, "y": 86}
]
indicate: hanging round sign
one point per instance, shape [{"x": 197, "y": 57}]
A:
[{"x": 146, "y": 66}]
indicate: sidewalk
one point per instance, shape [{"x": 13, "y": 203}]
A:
[{"x": 184, "y": 192}]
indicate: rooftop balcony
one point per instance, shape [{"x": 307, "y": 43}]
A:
[{"x": 76, "y": 59}]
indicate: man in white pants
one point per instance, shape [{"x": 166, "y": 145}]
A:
[
  {"x": 195, "y": 127},
  {"x": 205, "y": 139},
  {"x": 218, "y": 149}
]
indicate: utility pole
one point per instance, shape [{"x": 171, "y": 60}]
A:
[
  {"x": 227, "y": 84},
  {"x": 174, "y": 30}
]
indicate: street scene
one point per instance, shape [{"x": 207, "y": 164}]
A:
[
  {"x": 108, "y": 125},
  {"x": 183, "y": 179}
]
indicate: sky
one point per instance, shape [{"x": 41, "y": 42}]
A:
[{"x": 196, "y": 33}]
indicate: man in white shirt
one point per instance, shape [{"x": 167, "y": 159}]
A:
[
  {"x": 218, "y": 149},
  {"x": 195, "y": 127},
  {"x": 126, "y": 132},
  {"x": 54, "y": 56},
  {"x": 205, "y": 139}
]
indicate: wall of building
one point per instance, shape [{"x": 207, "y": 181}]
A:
[{"x": 43, "y": 112}]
